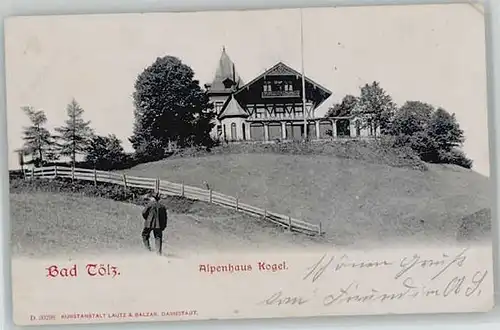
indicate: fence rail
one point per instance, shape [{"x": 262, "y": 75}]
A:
[{"x": 173, "y": 189}]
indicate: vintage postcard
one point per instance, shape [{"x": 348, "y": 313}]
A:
[{"x": 249, "y": 164}]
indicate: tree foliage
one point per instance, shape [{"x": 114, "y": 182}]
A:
[
  {"x": 75, "y": 134},
  {"x": 170, "y": 106},
  {"x": 445, "y": 130},
  {"x": 433, "y": 133},
  {"x": 411, "y": 118},
  {"x": 374, "y": 107},
  {"x": 105, "y": 152},
  {"x": 38, "y": 142},
  {"x": 344, "y": 108}
]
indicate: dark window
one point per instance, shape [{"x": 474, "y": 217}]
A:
[
  {"x": 218, "y": 106},
  {"x": 228, "y": 83},
  {"x": 278, "y": 86},
  {"x": 282, "y": 86},
  {"x": 267, "y": 86}
]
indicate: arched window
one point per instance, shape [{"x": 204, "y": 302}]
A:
[{"x": 234, "y": 136}]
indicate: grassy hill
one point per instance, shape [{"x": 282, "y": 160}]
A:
[
  {"x": 49, "y": 223},
  {"x": 353, "y": 198}
]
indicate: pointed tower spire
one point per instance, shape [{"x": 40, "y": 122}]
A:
[{"x": 226, "y": 78}]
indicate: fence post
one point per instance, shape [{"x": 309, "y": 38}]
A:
[
  {"x": 72, "y": 173},
  {"x": 289, "y": 223},
  {"x": 182, "y": 188},
  {"x": 319, "y": 229},
  {"x": 157, "y": 188},
  {"x": 33, "y": 173},
  {"x": 265, "y": 214},
  {"x": 210, "y": 195},
  {"x": 95, "y": 177},
  {"x": 237, "y": 204},
  {"x": 125, "y": 181},
  {"x": 55, "y": 171}
]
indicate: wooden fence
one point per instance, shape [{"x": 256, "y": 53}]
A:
[{"x": 173, "y": 189}]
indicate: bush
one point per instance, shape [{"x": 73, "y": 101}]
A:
[
  {"x": 85, "y": 188},
  {"x": 16, "y": 174},
  {"x": 434, "y": 134},
  {"x": 130, "y": 162},
  {"x": 475, "y": 226},
  {"x": 455, "y": 157},
  {"x": 106, "y": 190},
  {"x": 106, "y": 153}
]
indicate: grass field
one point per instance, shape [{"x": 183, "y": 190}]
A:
[
  {"x": 47, "y": 224},
  {"x": 353, "y": 199},
  {"x": 376, "y": 197}
]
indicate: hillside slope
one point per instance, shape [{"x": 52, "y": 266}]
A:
[
  {"x": 353, "y": 199},
  {"x": 51, "y": 223}
]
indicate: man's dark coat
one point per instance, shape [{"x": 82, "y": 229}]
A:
[{"x": 155, "y": 216}]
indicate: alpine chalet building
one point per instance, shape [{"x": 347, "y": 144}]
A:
[{"x": 271, "y": 107}]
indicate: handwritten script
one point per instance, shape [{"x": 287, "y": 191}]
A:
[{"x": 338, "y": 279}]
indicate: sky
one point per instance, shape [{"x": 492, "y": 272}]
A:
[{"x": 430, "y": 53}]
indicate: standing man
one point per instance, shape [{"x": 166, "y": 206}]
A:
[{"x": 155, "y": 220}]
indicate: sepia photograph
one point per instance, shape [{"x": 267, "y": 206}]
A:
[{"x": 256, "y": 163}]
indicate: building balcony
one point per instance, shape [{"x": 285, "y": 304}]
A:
[
  {"x": 269, "y": 94},
  {"x": 276, "y": 117}
]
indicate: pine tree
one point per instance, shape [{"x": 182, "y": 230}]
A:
[
  {"x": 75, "y": 135},
  {"x": 38, "y": 142}
]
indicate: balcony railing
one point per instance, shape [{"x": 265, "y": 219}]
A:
[
  {"x": 278, "y": 116},
  {"x": 267, "y": 94}
]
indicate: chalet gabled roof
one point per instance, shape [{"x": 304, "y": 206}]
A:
[
  {"x": 322, "y": 109},
  {"x": 232, "y": 108},
  {"x": 282, "y": 69},
  {"x": 226, "y": 71}
]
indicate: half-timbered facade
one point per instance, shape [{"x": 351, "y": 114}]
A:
[{"x": 271, "y": 107}]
